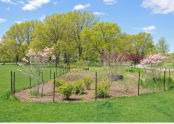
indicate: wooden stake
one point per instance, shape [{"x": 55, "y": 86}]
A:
[
  {"x": 164, "y": 79},
  {"x": 95, "y": 85},
  {"x": 11, "y": 82},
  {"x": 139, "y": 84},
  {"x": 54, "y": 88},
  {"x": 14, "y": 84}
]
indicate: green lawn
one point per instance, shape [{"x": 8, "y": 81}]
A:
[{"x": 156, "y": 107}]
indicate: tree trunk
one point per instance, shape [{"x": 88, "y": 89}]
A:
[
  {"x": 17, "y": 59},
  {"x": 80, "y": 52}
]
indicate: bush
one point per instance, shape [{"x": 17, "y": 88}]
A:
[
  {"x": 78, "y": 87},
  {"x": 103, "y": 89},
  {"x": 59, "y": 83},
  {"x": 88, "y": 81},
  {"x": 66, "y": 89}
]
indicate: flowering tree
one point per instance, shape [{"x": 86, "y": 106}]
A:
[
  {"x": 153, "y": 60},
  {"x": 36, "y": 62},
  {"x": 135, "y": 58}
]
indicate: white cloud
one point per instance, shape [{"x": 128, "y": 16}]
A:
[
  {"x": 147, "y": 29},
  {"x": 2, "y": 20},
  {"x": 98, "y": 13},
  {"x": 79, "y": 7},
  {"x": 110, "y": 2},
  {"x": 159, "y": 6},
  {"x": 18, "y": 22},
  {"x": 21, "y": 2},
  {"x": 42, "y": 18},
  {"x": 34, "y": 4},
  {"x": 7, "y": 1}
]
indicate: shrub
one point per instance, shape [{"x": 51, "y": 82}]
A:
[
  {"x": 59, "y": 83},
  {"x": 88, "y": 81},
  {"x": 78, "y": 87},
  {"x": 103, "y": 89},
  {"x": 66, "y": 89}
]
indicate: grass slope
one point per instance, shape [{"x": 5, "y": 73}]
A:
[{"x": 156, "y": 107}]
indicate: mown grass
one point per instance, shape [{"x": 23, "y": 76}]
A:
[{"x": 155, "y": 107}]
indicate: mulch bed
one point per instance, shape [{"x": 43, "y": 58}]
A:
[{"x": 117, "y": 90}]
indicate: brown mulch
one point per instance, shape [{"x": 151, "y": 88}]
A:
[{"x": 117, "y": 90}]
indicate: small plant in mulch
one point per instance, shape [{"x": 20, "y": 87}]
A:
[
  {"x": 78, "y": 87},
  {"x": 88, "y": 81},
  {"x": 66, "y": 89},
  {"x": 34, "y": 94},
  {"x": 103, "y": 89}
]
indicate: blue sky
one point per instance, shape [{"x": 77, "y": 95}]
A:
[{"x": 133, "y": 16}]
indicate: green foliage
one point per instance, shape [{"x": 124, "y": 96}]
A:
[
  {"x": 153, "y": 83},
  {"x": 133, "y": 70},
  {"x": 103, "y": 89},
  {"x": 58, "y": 82},
  {"x": 78, "y": 87},
  {"x": 88, "y": 81},
  {"x": 66, "y": 89},
  {"x": 35, "y": 94}
]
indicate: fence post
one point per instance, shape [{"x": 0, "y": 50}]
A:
[
  {"x": 30, "y": 81},
  {"x": 169, "y": 73},
  {"x": 14, "y": 84},
  {"x": 95, "y": 85},
  {"x": 11, "y": 82},
  {"x": 56, "y": 70},
  {"x": 164, "y": 79},
  {"x": 139, "y": 84},
  {"x": 42, "y": 85},
  {"x": 54, "y": 88},
  {"x": 50, "y": 73}
]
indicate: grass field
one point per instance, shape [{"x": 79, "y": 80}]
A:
[{"x": 155, "y": 107}]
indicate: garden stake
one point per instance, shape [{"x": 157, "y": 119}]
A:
[
  {"x": 139, "y": 84},
  {"x": 50, "y": 73},
  {"x": 56, "y": 70},
  {"x": 54, "y": 88},
  {"x": 95, "y": 85},
  {"x": 42, "y": 85},
  {"x": 14, "y": 84},
  {"x": 164, "y": 79},
  {"x": 11, "y": 82},
  {"x": 30, "y": 82},
  {"x": 169, "y": 73}
]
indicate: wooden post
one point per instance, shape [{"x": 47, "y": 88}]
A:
[
  {"x": 164, "y": 79},
  {"x": 56, "y": 70},
  {"x": 54, "y": 88},
  {"x": 30, "y": 81},
  {"x": 169, "y": 73},
  {"x": 50, "y": 73},
  {"x": 60, "y": 71},
  {"x": 95, "y": 85},
  {"x": 139, "y": 84},
  {"x": 14, "y": 84},
  {"x": 11, "y": 82},
  {"x": 69, "y": 67},
  {"x": 42, "y": 85}
]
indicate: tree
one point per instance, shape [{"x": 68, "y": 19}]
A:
[
  {"x": 143, "y": 44},
  {"x": 105, "y": 37},
  {"x": 17, "y": 38},
  {"x": 161, "y": 46}
]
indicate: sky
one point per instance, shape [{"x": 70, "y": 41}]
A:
[{"x": 133, "y": 16}]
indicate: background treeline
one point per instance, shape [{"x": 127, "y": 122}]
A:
[{"x": 75, "y": 36}]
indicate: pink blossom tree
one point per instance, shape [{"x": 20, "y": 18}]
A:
[{"x": 36, "y": 62}]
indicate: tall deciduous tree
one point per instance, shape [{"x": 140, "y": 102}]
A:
[{"x": 162, "y": 46}]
